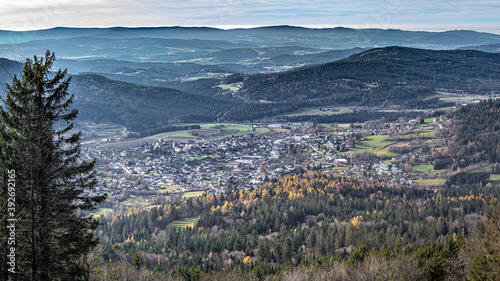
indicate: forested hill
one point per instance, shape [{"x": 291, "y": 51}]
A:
[
  {"x": 477, "y": 134},
  {"x": 140, "y": 107},
  {"x": 137, "y": 107},
  {"x": 376, "y": 75},
  {"x": 392, "y": 77}
]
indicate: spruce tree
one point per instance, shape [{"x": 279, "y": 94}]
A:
[
  {"x": 37, "y": 142},
  {"x": 486, "y": 263}
]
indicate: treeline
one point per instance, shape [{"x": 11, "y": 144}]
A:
[
  {"x": 467, "y": 179},
  {"x": 354, "y": 117},
  {"x": 254, "y": 111}
]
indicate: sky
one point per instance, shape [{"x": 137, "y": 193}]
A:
[{"x": 431, "y": 15}]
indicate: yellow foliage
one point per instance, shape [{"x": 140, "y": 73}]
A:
[
  {"x": 247, "y": 260},
  {"x": 265, "y": 193},
  {"x": 356, "y": 221}
]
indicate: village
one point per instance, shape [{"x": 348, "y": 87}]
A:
[{"x": 193, "y": 167}]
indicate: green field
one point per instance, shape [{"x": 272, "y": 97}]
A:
[
  {"x": 183, "y": 135},
  {"x": 228, "y": 129},
  {"x": 340, "y": 169},
  {"x": 232, "y": 87},
  {"x": 431, "y": 182},
  {"x": 261, "y": 130},
  {"x": 168, "y": 188},
  {"x": 360, "y": 148},
  {"x": 315, "y": 110},
  {"x": 211, "y": 133},
  {"x": 424, "y": 169},
  {"x": 453, "y": 98},
  {"x": 234, "y": 129},
  {"x": 429, "y": 120},
  {"x": 100, "y": 169},
  {"x": 378, "y": 145},
  {"x": 421, "y": 133},
  {"x": 193, "y": 194},
  {"x": 426, "y": 133},
  {"x": 184, "y": 222},
  {"x": 130, "y": 201},
  {"x": 495, "y": 179},
  {"x": 103, "y": 212}
]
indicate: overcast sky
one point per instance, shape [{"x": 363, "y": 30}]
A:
[{"x": 481, "y": 15}]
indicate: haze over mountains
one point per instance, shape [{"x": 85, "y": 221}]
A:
[
  {"x": 341, "y": 37},
  {"x": 149, "y": 77}
]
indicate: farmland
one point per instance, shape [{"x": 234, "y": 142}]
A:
[
  {"x": 183, "y": 223},
  {"x": 211, "y": 131}
]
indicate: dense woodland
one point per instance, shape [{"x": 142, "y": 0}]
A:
[
  {"x": 392, "y": 73},
  {"x": 356, "y": 117},
  {"x": 301, "y": 216},
  {"x": 141, "y": 107},
  {"x": 477, "y": 130}
]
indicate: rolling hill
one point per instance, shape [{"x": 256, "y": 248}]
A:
[
  {"x": 394, "y": 73},
  {"x": 381, "y": 78},
  {"x": 140, "y": 107}
]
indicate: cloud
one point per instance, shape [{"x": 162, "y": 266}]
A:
[{"x": 37, "y": 14}]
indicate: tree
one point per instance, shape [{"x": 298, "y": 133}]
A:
[
  {"x": 186, "y": 273},
  {"x": 138, "y": 261},
  {"x": 486, "y": 263},
  {"x": 37, "y": 143}
]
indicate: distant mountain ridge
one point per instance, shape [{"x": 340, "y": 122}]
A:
[{"x": 330, "y": 38}]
